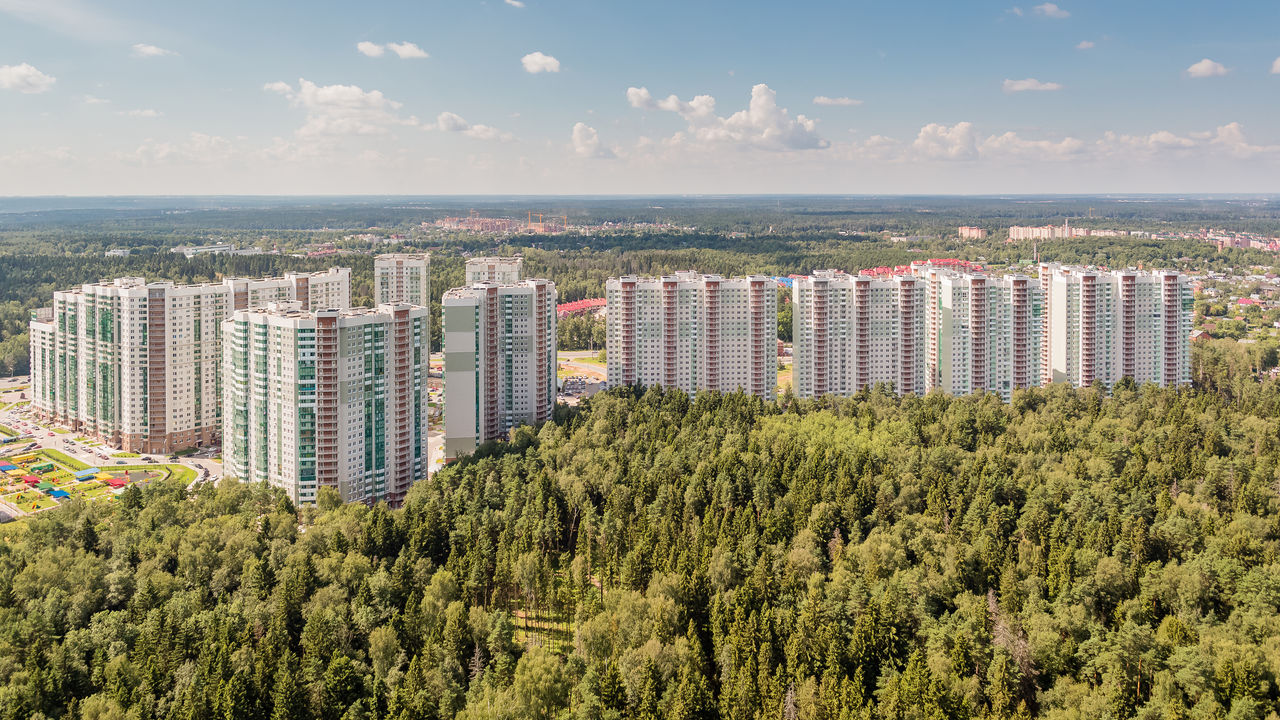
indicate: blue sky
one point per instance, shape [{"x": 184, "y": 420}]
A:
[{"x": 578, "y": 96}]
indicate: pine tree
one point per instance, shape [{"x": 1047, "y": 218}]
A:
[{"x": 287, "y": 699}]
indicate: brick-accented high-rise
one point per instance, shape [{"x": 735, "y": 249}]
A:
[
  {"x": 403, "y": 278},
  {"x": 917, "y": 329},
  {"x": 693, "y": 332},
  {"x": 1105, "y": 325},
  {"x": 336, "y": 398},
  {"x": 499, "y": 360},
  {"x": 853, "y": 331}
]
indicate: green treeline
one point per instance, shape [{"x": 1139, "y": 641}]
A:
[{"x": 648, "y": 555}]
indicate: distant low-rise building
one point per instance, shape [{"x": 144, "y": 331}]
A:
[{"x": 214, "y": 249}]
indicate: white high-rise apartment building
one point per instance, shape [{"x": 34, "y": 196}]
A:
[
  {"x": 500, "y": 270},
  {"x": 853, "y": 331},
  {"x": 693, "y": 332},
  {"x": 334, "y": 398},
  {"x": 1107, "y": 325},
  {"x": 402, "y": 278},
  {"x": 984, "y": 333},
  {"x": 499, "y": 360},
  {"x": 135, "y": 365}
]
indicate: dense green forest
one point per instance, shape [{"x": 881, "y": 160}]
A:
[{"x": 647, "y": 555}]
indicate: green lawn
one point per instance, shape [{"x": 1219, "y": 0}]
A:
[
  {"x": 6, "y": 430},
  {"x": 63, "y": 459},
  {"x": 181, "y": 472},
  {"x": 125, "y": 455}
]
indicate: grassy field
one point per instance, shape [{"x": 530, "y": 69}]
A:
[
  {"x": 6, "y": 430},
  {"x": 124, "y": 455},
  {"x": 30, "y": 501},
  {"x": 63, "y": 459},
  {"x": 181, "y": 472}
]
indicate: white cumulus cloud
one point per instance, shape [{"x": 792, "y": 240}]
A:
[
  {"x": 963, "y": 142},
  {"x": 1275, "y": 67},
  {"x": 537, "y": 62},
  {"x": 371, "y": 49},
  {"x": 1051, "y": 10},
  {"x": 514, "y": 3},
  {"x": 763, "y": 125},
  {"x": 142, "y": 113},
  {"x": 145, "y": 50},
  {"x": 91, "y": 100},
  {"x": 1015, "y": 86},
  {"x": 936, "y": 141},
  {"x": 452, "y": 122},
  {"x": 198, "y": 149},
  {"x": 25, "y": 79},
  {"x": 836, "y": 101},
  {"x": 1085, "y": 45},
  {"x": 407, "y": 50},
  {"x": 1011, "y": 145},
  {"x": 1207, "y": 68},
  {"x": 335, "y": 110},
  {"x": 586, "y": 142}
]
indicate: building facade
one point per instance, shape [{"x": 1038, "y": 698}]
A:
[
  {"x": 499, "y": 360},
  {"x": 402, "y": 278},
  {"x": 984, "y": 333},
  {"x": 136, "y": 365},
  {"x": 852, "y": 331},
  {"x": 500, "y": 270},
  {"x": 334, "y": 398},
  {"x": 1107, "y": 325},
  {"x": 693, "y": 332}
]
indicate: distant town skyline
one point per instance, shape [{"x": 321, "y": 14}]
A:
[{"x": 534, "y": 97}]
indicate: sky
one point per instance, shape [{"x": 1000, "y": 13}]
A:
[{"x": 537, "y": 97}]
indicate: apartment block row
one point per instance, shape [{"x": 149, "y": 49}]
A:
[
  {"x": 963, "y": 331},
  {"x": 135, "y": 365},
  {"x": 693, "y": 332},
  {"x": 145, "y": 367}
]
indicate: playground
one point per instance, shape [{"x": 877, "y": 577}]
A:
[{"x": 41, "y": 480}]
